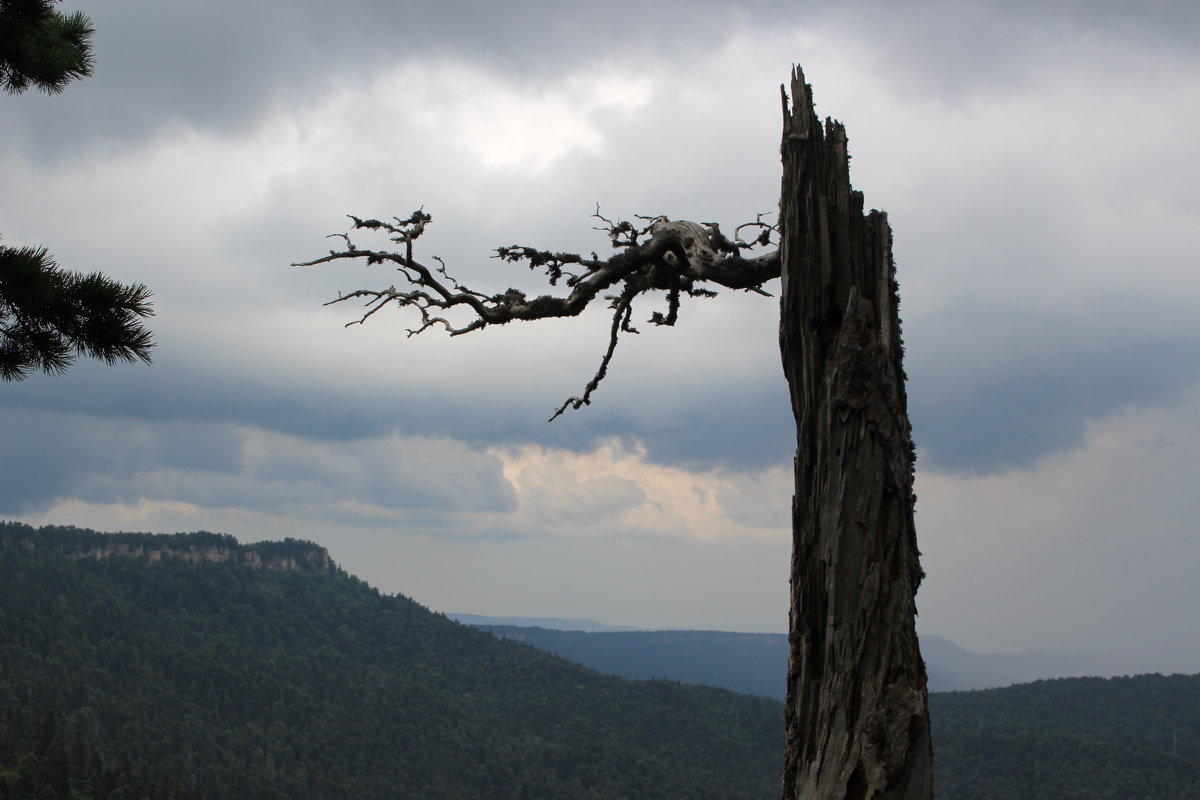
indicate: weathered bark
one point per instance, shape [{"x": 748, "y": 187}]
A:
[{"x": 857, "y": 718}]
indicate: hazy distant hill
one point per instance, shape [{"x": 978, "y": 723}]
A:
[
  {"x": 953, "y": 668},
  {"x": 752, "y": 663},
  {"x": 756, "y": 663},
  {"x": 554, "y": 623},
  {"x": 227, "y": 674}
]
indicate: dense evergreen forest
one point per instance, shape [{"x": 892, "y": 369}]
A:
[
  {"x": 220, "y": 680},
  {"x": 190, "y": 666},
  {"x": 1122, "y": 738},
  {"x": 1095, "y": 738}
]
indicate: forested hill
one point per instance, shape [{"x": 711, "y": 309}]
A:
[
  {"x": 1091, "y": 738},
  {"x": 1095, "y": 738},
  {"x": 222, "y": 677},
  {"x": 191, "y": 666},
  {"x": 290, "y": 555}
]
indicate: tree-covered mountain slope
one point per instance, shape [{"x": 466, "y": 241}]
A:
[
  {"x": 1094, "y": 738},
  {"x": 231, "y": 671},
  {"x": 1074, "y": 737},
  {"x": 190, "y": 666}
]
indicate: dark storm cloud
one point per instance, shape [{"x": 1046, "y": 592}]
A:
[
  {"x": 174, "y": 393},
  {"x": 744, "y": 427},
  {"x": 741, "y": 427},
  {"x": 987, "y": 423},
  {"x": 46, "y": 456},
  {"x": 951, "y": 49},
  {"x": 1034, "y": 157},
  {"x": 223, "y": 65}
]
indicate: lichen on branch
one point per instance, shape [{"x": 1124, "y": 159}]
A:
[{"x": 654, "y": 254}]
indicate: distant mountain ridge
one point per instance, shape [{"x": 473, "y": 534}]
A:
[
  {"x": 187, "y": 661},
  {"x": 953, "y": 668},
  {"x": 290, "y": 555},
  {"x": 750, "y": 663},
  {"x": 204, "y": 680},
  {"x": 553, "y": 623},
  {"x": 756, "y": 663}
]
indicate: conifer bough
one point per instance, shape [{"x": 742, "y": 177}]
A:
[
  {"x": 49, "y": 316},
  {"x": 42, "y": 47}
]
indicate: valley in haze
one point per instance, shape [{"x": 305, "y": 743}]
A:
[{"x": 756, "y": 663}]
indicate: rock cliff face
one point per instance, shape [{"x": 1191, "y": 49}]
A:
[
  {"x": 290, "y": 555},
  {"x": 311, "y": 559}
]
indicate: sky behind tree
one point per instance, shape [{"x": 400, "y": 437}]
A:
[{"x": 1037, "y": 162}]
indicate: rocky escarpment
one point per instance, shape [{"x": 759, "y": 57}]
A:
[{"x": 290, "y": 555}]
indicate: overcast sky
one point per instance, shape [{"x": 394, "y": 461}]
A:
[{"x": 1039, "y": 167}]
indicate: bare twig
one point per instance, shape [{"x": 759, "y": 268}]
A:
[{"x": 659, "y": 255}]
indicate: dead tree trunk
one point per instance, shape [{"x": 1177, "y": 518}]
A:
[
  {"x": 857, "y": 719},
  {"x": 857, "y": 722}
]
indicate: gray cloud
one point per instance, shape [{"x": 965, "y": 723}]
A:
[
  {"x": 991, "y": 420},
  {"x": 47, "y": 456},
  {"x": 1101, "y": 535},
  {"x": 223, "y": 66},
  {"x": 953, "y": 50},
  {"x": 745, "y": 428},
  {"x": 54, "y": 456},
  {"x": 756, "y": 501},
  {"x": 555, "y": 496},
  {"x": 1035, "y": 160}
]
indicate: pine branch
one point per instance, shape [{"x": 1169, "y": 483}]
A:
[
  {"x": 50, "y": 316},
  {"x": 42, "y": 47}
]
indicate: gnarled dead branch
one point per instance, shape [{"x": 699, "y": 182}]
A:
[{"x": 654, "y": 255}]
